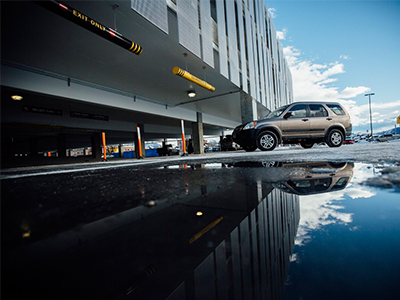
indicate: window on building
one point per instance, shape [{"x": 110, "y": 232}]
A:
[
  {"x": 213, "y": 7},
  {"x": 237, "y": 30},
  {"x": 245, "y": 46}
]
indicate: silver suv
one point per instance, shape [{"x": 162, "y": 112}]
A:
[{"x": 300, "y": 122}]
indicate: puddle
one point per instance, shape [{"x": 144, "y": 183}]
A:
[
  {"x": 347, "y": 242},
  {"x": 257, "y": 230}
]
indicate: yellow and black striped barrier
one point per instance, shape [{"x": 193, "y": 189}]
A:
[
  {"x": 90, "y": 24},
  {"x": 185, "y": 74}
]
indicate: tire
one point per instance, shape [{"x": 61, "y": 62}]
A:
[
  {"x": 267, "y": 141},
  {"x": 335, "y": 138},
  {"x": 307, "y": 145},
  {"x": 337, "y": 165},
  {"x": 250, "y": 148}
]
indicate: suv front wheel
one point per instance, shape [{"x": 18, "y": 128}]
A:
[
  {"x": 267, "y": 141},
  {"x": 335, "y": 138}
]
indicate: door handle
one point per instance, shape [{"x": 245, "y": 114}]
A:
[
  {"x": 304, "y": 120},
  {"x": 329, "y": 119}
]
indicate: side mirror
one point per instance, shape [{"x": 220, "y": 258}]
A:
[{"x": 287, "y": 115}]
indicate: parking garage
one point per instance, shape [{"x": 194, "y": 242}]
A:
[{"x": 64, "y": 84}]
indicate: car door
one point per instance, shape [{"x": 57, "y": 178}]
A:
[
  {"x": 298, "y": 124},
  {"x": 319, "y": 120}
]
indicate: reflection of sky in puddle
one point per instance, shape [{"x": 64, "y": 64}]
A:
[
  {"x": 320, "y": 210},
  {"x": 347, "y": 243}
]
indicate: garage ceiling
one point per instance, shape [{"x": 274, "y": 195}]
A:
[{"x": 35, "y": 37}]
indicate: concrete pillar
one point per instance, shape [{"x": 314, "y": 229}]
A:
[
  {"x": 62, "y": 145},
  {"x": 142, "y": 139},
  {"x": 96, "y": 143},
  {"x": 248, "y": 107},
  {"x": 121, "y": 151},
  {"x": 197, "y": 135},
  {"x": 7, "y": 147}
]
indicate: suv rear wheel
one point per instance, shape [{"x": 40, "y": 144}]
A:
[
  {"x": 267, "y": 141},
  {"x": 335, "y": 138}
]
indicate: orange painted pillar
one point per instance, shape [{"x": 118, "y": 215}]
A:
[
  {"x": 103, "y": 135},
  {"x": 183, "y": 139},
  {"x": 139, "y": 142}
]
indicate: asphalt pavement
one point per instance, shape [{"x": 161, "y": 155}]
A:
[
  {"x": 161, "y": 227},
  {"x": 384, "y": 153}
]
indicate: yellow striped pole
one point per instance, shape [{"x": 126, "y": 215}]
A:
[
  {"x": 185, "y": 74},
  {"x": 90, "y": 24}
]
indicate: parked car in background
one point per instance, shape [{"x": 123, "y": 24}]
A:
[
  {"x": 385, "y": 137},
  {"x": 348, "y": 141},
  {"x": 227, "y": 144},
  {"x": 167, "y": 150},
  {"x": 300, "y": 122}
]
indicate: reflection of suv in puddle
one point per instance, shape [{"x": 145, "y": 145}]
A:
[
  {"x": 301, "y": 122},
  {"x": 320, "y": 177},
  {"x": 309, "y": 178}
]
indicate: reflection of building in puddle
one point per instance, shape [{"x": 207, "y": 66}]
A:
[
  {"x": 319, "y": 184},
  {"x": 217, "y": 234},
  {"x": 253, "y": 261}
]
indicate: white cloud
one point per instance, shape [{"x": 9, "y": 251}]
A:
[
  {"x": 272, "y": 12},
  {"x": 351, "y": 92},
  {"x": 281, "y": 35},
  {"x": 344, "y": 57},
  {"x": 311, "y": 81},
  {"x": 315, "y": 81},
  {"x": 381, "y": 113}
]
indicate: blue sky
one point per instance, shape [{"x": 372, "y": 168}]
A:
[{"x": 340, "y": 50}]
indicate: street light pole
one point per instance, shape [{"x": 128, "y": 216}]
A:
[{"x": 370, "y": 114}]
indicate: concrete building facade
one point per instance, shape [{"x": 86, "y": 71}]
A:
[{"x": 73, "y": 65}]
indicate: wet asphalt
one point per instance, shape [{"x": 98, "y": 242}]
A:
[{"x": 164, "y": 228}]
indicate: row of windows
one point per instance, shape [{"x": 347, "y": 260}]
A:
[
  {"x": 244, "y": 35},
  {"x": 316, "y": 110}
]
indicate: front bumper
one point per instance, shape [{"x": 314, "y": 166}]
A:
[{"x": 244, "y": 137}]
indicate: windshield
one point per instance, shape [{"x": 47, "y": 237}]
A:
[{"x": 276, "y": 113}]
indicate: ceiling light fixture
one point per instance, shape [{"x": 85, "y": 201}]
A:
[
  {"x": 17, "y": 97},
  {"x": 191, "y": 93}
]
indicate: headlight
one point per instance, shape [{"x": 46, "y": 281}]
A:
[{"x": 250, "y": 125}]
